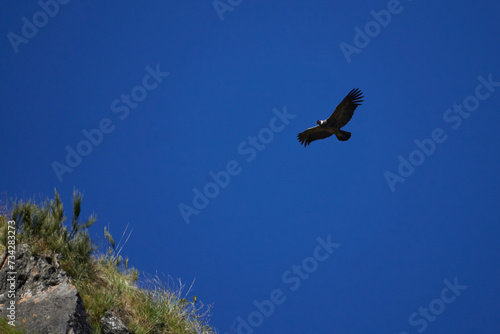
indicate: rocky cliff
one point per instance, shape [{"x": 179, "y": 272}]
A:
[{"x": 35, "y": 293}]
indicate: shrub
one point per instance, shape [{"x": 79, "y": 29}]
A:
[{"x": 41, "y": 226}]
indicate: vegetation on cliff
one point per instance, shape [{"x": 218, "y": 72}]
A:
[{"x": 103, "y": 278}]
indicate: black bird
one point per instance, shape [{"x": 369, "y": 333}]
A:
[{"x": 340, "y": 117}]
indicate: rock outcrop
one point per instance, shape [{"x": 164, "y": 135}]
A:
[
  {"x": 112, "y": 325},
  {"x": 46, "y": 302}
]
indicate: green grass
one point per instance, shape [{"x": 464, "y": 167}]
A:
[
  {"x": 104, "y": 280},
  {"x": 5, "y": 328}
]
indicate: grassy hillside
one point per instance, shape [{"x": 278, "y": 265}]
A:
[{"x": 103, "y": 278}]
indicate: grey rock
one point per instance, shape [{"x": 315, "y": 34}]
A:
[
  {"x": 46, "y": 301},
  {"x": 111, "y": 324}
]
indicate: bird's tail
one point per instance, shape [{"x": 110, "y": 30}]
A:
[{"x": 343, "y": 135}]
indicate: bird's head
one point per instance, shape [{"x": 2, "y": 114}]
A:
[{"x": 320, "y": 122}]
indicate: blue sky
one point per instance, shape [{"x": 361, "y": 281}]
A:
[{"x": 394, "y": 231}]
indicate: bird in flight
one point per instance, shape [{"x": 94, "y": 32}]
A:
[{"x": 340, "y": 117}]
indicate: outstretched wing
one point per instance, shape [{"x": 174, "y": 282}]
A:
[
  {"x": 344, "y": 111},
  {"x": 312, "y": 134}
]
